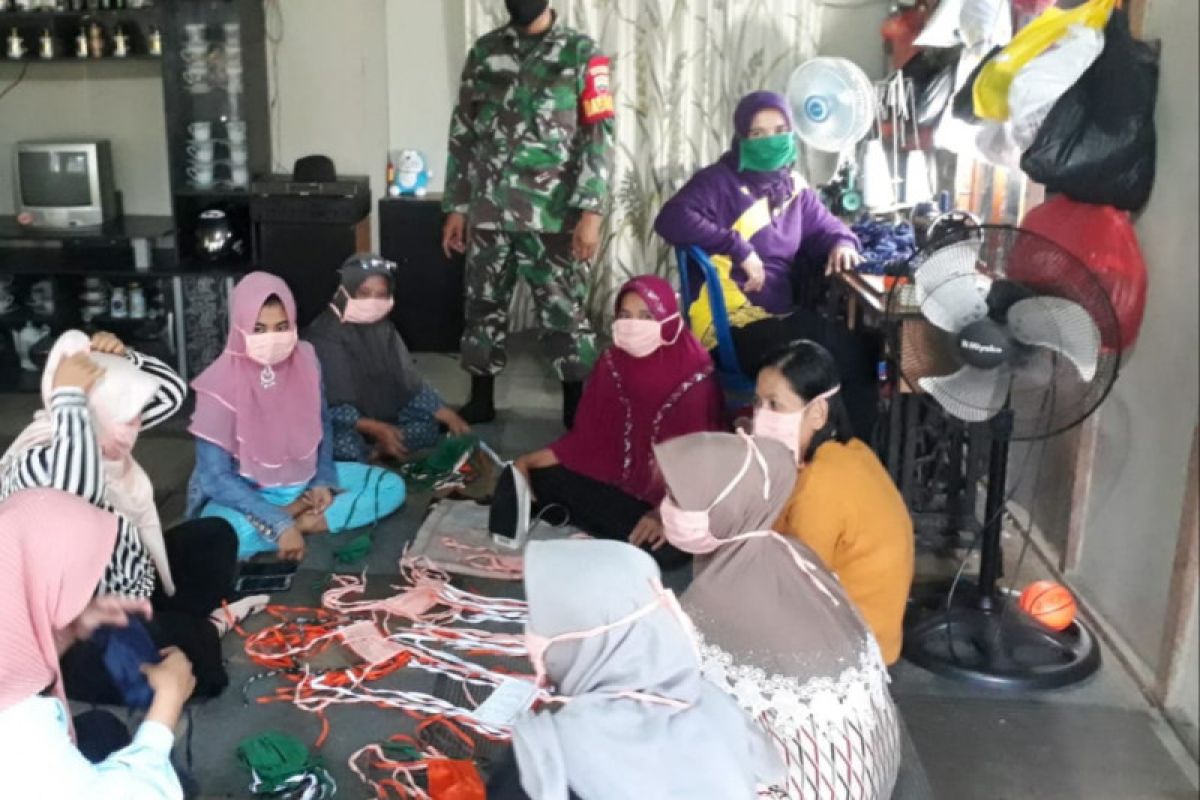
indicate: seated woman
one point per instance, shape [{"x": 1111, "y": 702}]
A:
[
  {"x": 47, "y": 588},
  {"x": 97, "y": 396},
  {"x": 754, "y": 215},
  {"x": 777, "y": 630},
  {"x": 380, "y": 405},
  {"x": 845, "y": 505},
  {"x": 655, "y": 382},
  {"x": 264, "y": 441},
  {"x": 641, "y": 721}
]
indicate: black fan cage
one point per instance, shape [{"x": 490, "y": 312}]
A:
[{"x": 1048, "y": 394}]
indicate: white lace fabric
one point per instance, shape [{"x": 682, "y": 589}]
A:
[{"x": 838, "y": 735}]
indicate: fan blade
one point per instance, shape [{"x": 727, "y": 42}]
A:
[
  {"x": 948, "y": 286},
  {"x": 1060, "y": 325},
  {"x": 971, "y": 394}
]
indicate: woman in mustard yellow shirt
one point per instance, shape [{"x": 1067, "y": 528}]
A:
[{"x": 844, "y": 506}]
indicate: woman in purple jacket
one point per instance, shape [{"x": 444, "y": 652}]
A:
[{"x": 753, "y": 213}]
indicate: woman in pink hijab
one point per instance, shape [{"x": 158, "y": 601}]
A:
[
  {"x": 655, "y": 383},
  {"x": 47, "y": 587},
  {"x": 264, "y": 440}
]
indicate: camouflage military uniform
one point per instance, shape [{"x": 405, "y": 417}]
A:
[{"x": 526, "y": 157}]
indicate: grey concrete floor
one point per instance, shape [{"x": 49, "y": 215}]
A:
[{"x": 1101, "y": 740}]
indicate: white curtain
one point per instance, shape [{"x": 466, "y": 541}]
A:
[{"x": 679, "y": 68}]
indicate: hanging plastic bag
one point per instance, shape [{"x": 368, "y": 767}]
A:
[
  {"x": 1037, "y": 87},
  {"x": 1103, "y": 238},
  {"x": 1098, "y": 143},
  {"x": 974, "y": 23},
  {"x": 990, "y": 90}
]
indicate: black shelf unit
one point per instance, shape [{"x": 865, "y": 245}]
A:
[
  {"x": 184, "y": 107},
  {"x": 107, "y": 252}
]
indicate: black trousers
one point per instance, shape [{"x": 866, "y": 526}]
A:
[
  {"x": 856, "y": 355},
  {"x": 598, "y": 508},
  {"x": 203, "y": 558}
]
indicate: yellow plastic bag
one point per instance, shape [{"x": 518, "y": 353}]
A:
[{"x": 990, "y": 92}]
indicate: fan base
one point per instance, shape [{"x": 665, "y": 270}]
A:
[{"x": 977, "y": 641}]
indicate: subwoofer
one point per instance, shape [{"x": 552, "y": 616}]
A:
[{"x": 429, "y": 286}]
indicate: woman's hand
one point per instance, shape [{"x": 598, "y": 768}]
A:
[
  {"x": 299, "y": 506},
  {"x": 389, "y": 440},
  {"x": 113, "y": 610},
  {"x": 173, "y": 683},
  {"x": 450, "y": 418},
  {"x": 648, "y": 532},
  {"x": 311, "y": 523},
  {"x": 291, "y": 544},
  {"x": 77, "y": 372},
  {"x": 319, "y": 498},
  {"x": 843, "y": 258},
  {"x": 105, "y": 342},
  {"x": 756, "y": 273}
]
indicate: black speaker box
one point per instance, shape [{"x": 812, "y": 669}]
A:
[{"x": 429, "y": 286}]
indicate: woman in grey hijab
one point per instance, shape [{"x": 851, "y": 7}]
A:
[
  {"x": 638, "y": 721},
  {"x": 777, "y": 630},
  {"x": 380, "y": 405}
]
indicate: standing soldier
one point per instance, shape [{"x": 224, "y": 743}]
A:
[{"x": 526, "y": 182}]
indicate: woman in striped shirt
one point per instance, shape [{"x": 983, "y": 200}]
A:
[{"x": 98, "y": 396}]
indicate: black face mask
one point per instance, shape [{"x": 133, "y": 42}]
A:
[{"x": 525, "y": 12}]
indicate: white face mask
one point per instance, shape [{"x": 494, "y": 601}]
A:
[{"x": 786, "y": 426}]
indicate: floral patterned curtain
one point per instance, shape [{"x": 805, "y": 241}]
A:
[{"x": 679, "y": 68}]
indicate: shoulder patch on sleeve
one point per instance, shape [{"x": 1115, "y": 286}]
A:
[{"x": 597, "y": 100}]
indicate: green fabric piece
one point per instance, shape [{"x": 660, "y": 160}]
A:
[
  {"x": 402, "y": 752},
  {"x": 442, "y": 462},
  {"x": 281, "y": 768},
  {"x": 767, "y": 153},
  {"x": 274, "y": 757},
  {"x": 354, "y": 550}
]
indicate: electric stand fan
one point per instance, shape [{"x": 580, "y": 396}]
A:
[
  {"x": 1023, "y": 340},
  {"x": 833, "y": 103}
]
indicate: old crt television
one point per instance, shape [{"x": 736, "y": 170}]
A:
[{"x": 64, "y": 183}]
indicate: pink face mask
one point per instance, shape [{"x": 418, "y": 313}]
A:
[
  {"x": 785, "y": 426},
  {"x": 270, "y": 348},
  {"x": 364, "y": 311},
  {"x": 691, "y": 531},
  {"x": 117, "y": 441},
  {"x": 538, "y": 645},
  {"x": 642, "y": 337}
]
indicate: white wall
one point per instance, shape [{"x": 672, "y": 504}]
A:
[
  {"x": 114, "y": 100},
  {"x": 852, "y": 31},
  {"x": 426, "y": 49},
  {"x": 332, "y": 86},
  {"x": 1145, "y": 426}
]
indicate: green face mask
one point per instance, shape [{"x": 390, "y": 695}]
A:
[{"x": 768, "y": 153}]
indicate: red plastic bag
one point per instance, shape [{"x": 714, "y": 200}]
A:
[
  {"x": 454, "y": 780},
  {"x": 1103, "y": 238}
]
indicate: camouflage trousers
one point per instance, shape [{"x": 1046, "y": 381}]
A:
[{"x": 495, "y": 261}]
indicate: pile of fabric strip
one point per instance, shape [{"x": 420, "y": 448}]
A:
[
  {"x": 427, "y": 625},
  {"x": 884, "y": 245}
]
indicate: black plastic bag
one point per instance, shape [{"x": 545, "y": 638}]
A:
[{"x": 1098, "y": 143}]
